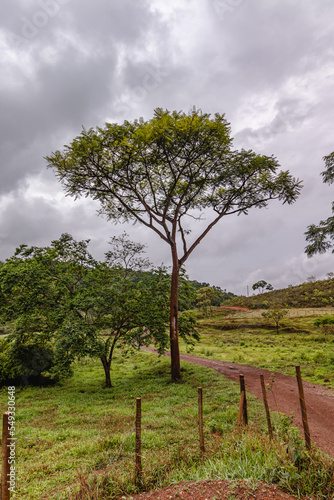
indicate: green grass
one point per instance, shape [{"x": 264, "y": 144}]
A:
[
  {"x": 76, "y": 441},
  {"x": 83, "y": 426},
  {"x": 248, "y": 338}
]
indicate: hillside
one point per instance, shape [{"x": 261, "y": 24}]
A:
[{"x": 316, "y": 294}]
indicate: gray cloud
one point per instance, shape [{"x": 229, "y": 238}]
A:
[{"x": 268, "y": 65}]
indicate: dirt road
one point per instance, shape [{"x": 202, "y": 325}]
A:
[{"x": 284, "y": 397}]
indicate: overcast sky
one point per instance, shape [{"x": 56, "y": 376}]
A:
[{"x": 267, "y": 64}]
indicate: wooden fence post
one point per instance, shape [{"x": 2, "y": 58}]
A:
[
  {"x": 270, "y": 430},
  {"x": 244, "y": 402},
  {"x": 200, "y": 419},
  {"x": 5, "y": 466},
  {"x": 241, "y": 407},
  {"x": 303, "y": 409},
  {"x": 138, "y": 468}
]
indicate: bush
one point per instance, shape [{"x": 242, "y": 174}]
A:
[
  {"x": 325, "y": 320},
  {"x": 26, "y": 361}
]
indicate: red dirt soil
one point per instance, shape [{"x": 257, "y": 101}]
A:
[{"x": 216, "y": 490}]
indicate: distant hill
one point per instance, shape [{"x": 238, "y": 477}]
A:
[{"x": 316, "y": 294}]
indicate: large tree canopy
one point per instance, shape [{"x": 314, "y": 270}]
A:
[
  {"x": 65, "y": 305},
  {"x": 321, "y": 236},
  {"x": 168, "y": 171}
]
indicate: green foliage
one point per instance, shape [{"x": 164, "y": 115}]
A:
[
  {"x": 168, "y": 166},
  {"x": 27, "y": 359},
  {"x": 204, "y": 299},
  {"x": 321, "y": 236},
  {"x": 188, "y": 330},
  {"x": 218, "y": 298},
  {"x": 186, "y": 292},
  {"x": 325, "y": 320},
  {"x": 262, "y": 285},
  {"x": 66, "y": 306},
  {"x": 160, "y": 172},
  {"x": 275, "y": 315}
]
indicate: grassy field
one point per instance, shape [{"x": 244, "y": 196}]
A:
[
  {"x": 76, "y": 440},
  {"x": 248, "y": 338}
]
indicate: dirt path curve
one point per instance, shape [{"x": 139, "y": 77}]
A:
[{"x": 284, "y": 397}]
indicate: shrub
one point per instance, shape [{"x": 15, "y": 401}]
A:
[
  {"x": 26, "y": 361},
  {"x": 325, "y": 320}
]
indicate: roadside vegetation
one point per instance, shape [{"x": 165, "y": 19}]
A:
[
  {"x": 76, "y": 440},
  {"x": 251, "y": 338}
]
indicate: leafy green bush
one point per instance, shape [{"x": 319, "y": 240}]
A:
[
  {"x": 325, "y": 320},
  {"x": 26, "y": 360}
]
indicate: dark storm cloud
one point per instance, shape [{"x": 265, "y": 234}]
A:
[
  {"x": 64, "y": 73},
  {"x": 27, "y": 217},
  {"x": 268, "y": 65}
]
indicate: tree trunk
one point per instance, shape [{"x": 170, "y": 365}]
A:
[
  {"x": 106, "y": 366},
  {"x": 174, "y": 334}
]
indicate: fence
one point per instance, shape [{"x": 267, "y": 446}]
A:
[{"x": 242, "y": 420}]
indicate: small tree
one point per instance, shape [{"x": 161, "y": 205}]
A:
[
  {"x": 165, "y": 172},
  {"x": 276, "y": 315},
  {"x": 38, "y": 286},
  {"x": 261, "y": 286}
]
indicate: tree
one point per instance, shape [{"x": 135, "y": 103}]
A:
[
  {"x": 275, "y": 315},
  {"x": 219, "y": 297},
  {"x": 261, "y": 286},
  {"x": 38, "y": 286},
  {"x": 321, "y": 237},
  {"x": 165, "y": 172},
  {"x": 204, "y": 298},
  {"x": 67, "y": 305}
]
